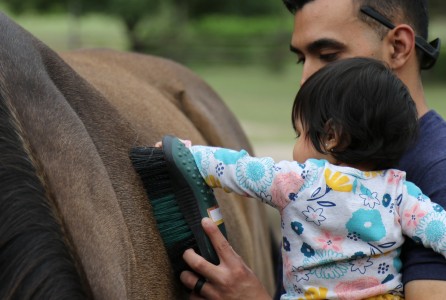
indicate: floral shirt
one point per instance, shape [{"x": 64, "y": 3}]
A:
[{"x": 342, "y": 228}]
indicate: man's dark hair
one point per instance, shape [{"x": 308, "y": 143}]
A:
[
  {"x": 411, "y": 12},
  {"x": 369, "y": 108}
]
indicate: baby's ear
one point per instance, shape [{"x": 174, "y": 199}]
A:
[{"x": 334, "y": 137}]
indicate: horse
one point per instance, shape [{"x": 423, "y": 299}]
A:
[{"x": 75, "y": 221}]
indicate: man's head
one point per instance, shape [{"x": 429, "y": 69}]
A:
[
  {"x": 411, "y": 12},
  {"x": 319, "y": 23}
]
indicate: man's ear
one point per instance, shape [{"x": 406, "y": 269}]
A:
[{"x": 401, "y": 44}]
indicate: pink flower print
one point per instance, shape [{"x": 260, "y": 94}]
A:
[
  {"x": 287, "y": 266},
  {"x": 360, "y": 288},
  {"x": 395, "y": 177},
  {"x": 283, "y": 186},
  {"x": 328, "y": 241},
  {"x": 412, "y": 216}
]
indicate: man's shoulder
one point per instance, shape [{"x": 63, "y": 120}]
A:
[
  {"x": 432, "y": 126},
  {"x": 431, "y": 141},
  {"x": 425, "y": 162}
]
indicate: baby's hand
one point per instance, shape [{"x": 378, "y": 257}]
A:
[{"x": 186, "y": 143}]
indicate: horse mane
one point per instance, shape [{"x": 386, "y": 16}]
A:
[{"x": 35, "y": 257}]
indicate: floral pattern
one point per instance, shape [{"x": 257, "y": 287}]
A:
[
  {"x": 314, "y": 215},
  {"x": 328, "y": 241},
  {"x": 327, "y": 264},
  {"x": 341, "y": 226},
  {"x": 412, "y": 217},
  {"x": 432, "y": 228},
  {"x": 297, "y": 227},
  {"x": 315, "y": 293},
  {"x": 370, "y": 199},
  {"x": 395, "y": 177},
  {"x": 283, "y": 186},
  {"x": 360, "y": 288},
  {"x": 337, "y": 181},
  {"x": 367, "y": 224},
  {"x": 255, "y": 175}
]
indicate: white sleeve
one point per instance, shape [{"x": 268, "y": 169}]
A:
[
  {"x": 421, "y": 219},
  {"x": 245, "y": 175}
]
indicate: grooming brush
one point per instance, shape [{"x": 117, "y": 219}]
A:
[{"x": 180, "y": 198}]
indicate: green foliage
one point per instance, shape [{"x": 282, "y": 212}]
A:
[
  {"x": 201, "y": 8},
  {"x": 438, "y": 73},
  {"x": 225, "y": 39},
  {"x": 437, "y": 7},
  {"x": 20, "y": 6}
]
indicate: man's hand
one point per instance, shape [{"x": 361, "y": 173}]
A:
[{"x": 231, "y": 279}]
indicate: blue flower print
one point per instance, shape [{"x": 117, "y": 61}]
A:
[
  {"x": 255, "y": 174},
  {"x": 367, "y": 224},
  {"x": 415, "y": 191},
  {"x": 202, "y": 159},
  {"x": 319, "y": 163},
  {"x": 438, "y": 208},
  {"x": 332, "y": 265},
  {"x": 219, "y": 169},
  {"x": 397, "y": 263},
  {"x": 383, "y": 268},
  {"x": 314, "y": 215},
  {"x": 229, "y": 157},
  {"x": 311, "y": 174},
  {"x": 198, "y": 156},
  {"x": 292, "y": 196},
  {"x": 297, "y": 227},
  {"x": 358, "y": 254},
  {"x": 286, "y": 244},
  {"x": 307, "y": 250},
  {"x": 386, "y": 200},
  {"x": 432, "y": 228}
]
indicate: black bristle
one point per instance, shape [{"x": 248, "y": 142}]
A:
[
  {"x": 179, "y": 197},
  {"x": 150, "y": 164}
]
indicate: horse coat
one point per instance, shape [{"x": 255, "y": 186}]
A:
[{"x": 75, "y": 221}]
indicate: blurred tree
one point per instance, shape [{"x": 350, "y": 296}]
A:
[
  {"x": 131, "y": 12},
  {"x": 134, "y": 12},
  {"x": 437, "y": 7}
]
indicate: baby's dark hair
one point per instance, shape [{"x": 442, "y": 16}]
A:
[{"x": 368, "y": 107}]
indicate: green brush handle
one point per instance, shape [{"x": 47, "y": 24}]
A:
[{"x": 184, "y": 163}]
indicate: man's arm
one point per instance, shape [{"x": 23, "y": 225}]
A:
[{"x": 425, "y": 289}]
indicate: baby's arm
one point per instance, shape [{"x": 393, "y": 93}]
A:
[
  {"x": 423, "y": 220},
  {"x": 238, "y": 172}
]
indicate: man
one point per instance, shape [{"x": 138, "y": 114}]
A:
[{"x": 325, "y": 31}]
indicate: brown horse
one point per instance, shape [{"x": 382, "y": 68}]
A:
[{"x": 75, "y": 221}]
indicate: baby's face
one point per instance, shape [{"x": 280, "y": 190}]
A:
[{"x": 304, "y": 149}]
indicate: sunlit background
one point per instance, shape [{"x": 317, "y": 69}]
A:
[{"x": 239, "y": 47}]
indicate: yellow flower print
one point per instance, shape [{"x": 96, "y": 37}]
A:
[
  {"x": 313, "y": 293},
  {"x": 372, "y": 174},
  {"x": 338, "y": 181},
  {"x": 214, "y": 182}
]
